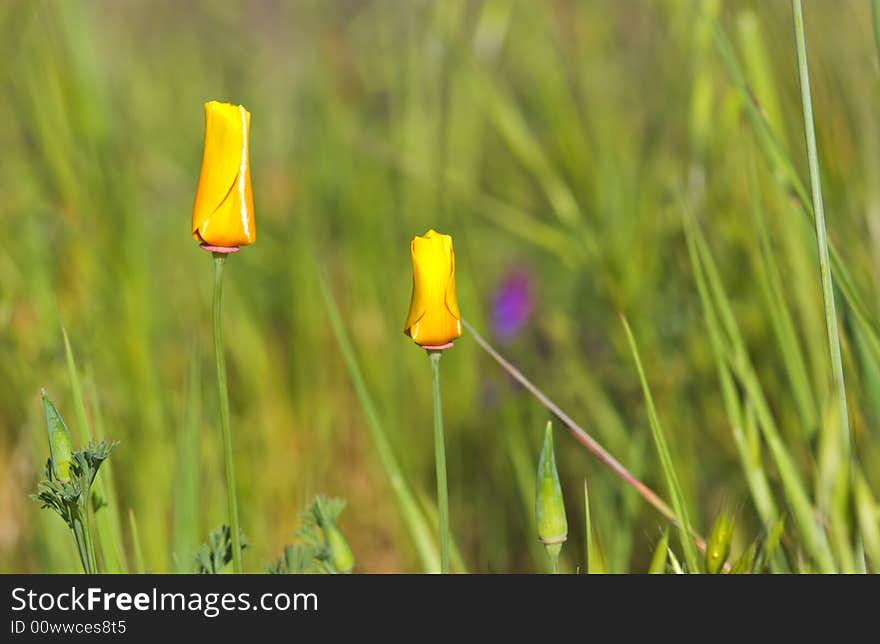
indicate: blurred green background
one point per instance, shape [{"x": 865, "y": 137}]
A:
[{"x": 554, "y": 140}]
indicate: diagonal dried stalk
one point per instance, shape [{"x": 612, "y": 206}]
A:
[{"x": 582, "y": 436}]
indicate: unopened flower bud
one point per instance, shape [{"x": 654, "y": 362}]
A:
[
  {"x": 549, "y": 506},
  {"x": 341, "y": 555},
  {"x": 60, "y": 442}
]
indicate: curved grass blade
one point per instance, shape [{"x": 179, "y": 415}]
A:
[
  {"x": 678, "y": 501},
  {"x": 415, "y": 521}
]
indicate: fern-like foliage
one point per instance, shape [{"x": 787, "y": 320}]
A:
[
  {"x": 320, "y": 542},
  {"x": 213, "y": 556}
]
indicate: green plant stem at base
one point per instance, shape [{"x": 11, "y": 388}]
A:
[
  {"x": 83, "y": 537},
  {"x": 440, "y": 462},
  {"x": 232, "y": 501}
]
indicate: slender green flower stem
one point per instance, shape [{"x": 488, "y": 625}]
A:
[
  {"x": 440, "y": 462},
  {"x": 232, "y": 500}
]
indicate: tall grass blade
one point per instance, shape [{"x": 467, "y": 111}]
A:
[
  {"x": 416, "y": 524},
  {"x": 661, "y": 552},
  {"x": 780, "y": 317},
  {"x": 742, "y": 368},
  {"x": 185, "y": 529},
  {"x": 785, "y": 171},
  {"x": 875, "y": 14},
  {"x": 108, "y": 537},
  {"x": 140, "y": 565},
  {"x": 589, "y": 566},
  {"x": 678, "y": 501},
  {"x": 868, "y": 515},
  {"x": 108, "y": 518},
  {"x": 821, "y": 233},
  {"x": 747, "y": 444}
]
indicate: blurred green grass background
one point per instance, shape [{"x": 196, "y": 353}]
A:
[{"x": 554, "y": 140}]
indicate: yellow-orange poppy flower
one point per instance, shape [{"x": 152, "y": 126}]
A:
[
  {"x": 434, "y": 318},
  {"x": 223, "y": 214}
]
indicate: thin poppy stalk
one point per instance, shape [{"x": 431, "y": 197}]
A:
[
  {"x": 440, "y": 461},
  {"x": 226, "y": 432}
]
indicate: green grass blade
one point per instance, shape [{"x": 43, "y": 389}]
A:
[
  {"x": 185, "y": 530},
  {"x": 108, "y": 535},
  {"x": 875, "y": 14},
  {"x": 505, "y": 115},
  {"x": 588, "y": 532},
  {"x": 785, "y": 171},
  {"x": 678, "y": 501},
  {"x": 821, "y": 235},
  {"x": 747, "y": 445},
  {"x": 674, "y": 563},
  {"x": 780, "y": 317},
  {"x": 741, "y": 366},
  {"x": 108, "y": 518},
  {"x": 661, "y": 555},
  {"x": 868, "y": 516},
  {"x": 415, "y": 521},
  {"x": 139, "y": 563},
  {"x": 79, "y": 405}
]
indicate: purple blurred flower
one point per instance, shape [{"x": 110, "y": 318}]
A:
[{"x": 512, "y": 304}]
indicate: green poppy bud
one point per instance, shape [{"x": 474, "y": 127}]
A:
[
  {"x": 341, "y": 555},
  {"x": 325, "y": 513},
  {"x": 549, "y": 506},
  {"x": 718, "y": 546},
  {"x": 60, "y": 442}
]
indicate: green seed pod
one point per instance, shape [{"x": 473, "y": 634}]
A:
[
  {"x": 60, "y": 442},
  {"x": 718, "y": 547},
  {"x": 341, "y": 555},
  {"x": 549, "y": 506}
]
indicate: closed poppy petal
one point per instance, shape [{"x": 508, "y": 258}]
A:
[
  {"x": 223, "y": 213},
  {"x": 434, "y": 318}
]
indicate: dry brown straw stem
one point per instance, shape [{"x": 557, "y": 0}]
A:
[{"x": 582, "y": 436}]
